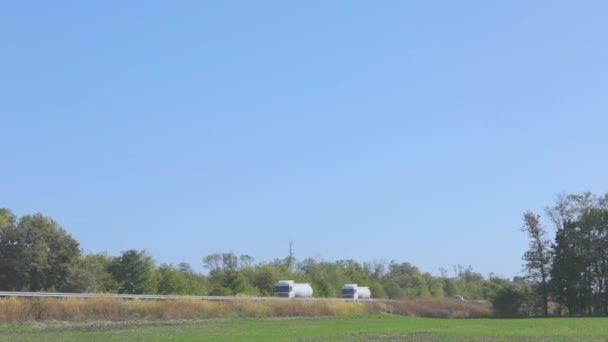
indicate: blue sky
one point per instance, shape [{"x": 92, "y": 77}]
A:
[{"x": 415, "y": 131}]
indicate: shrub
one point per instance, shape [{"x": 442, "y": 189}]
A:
[{"x": 508, "y": 302}]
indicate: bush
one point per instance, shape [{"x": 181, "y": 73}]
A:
[{"x": 509, "y": 302}]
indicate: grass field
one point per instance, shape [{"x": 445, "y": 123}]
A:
[{"x": 359, "y": 328}]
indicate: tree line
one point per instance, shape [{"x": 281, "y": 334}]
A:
[
  {"x": 566, "y": 276},
  {"x": 37, "y": 254}
]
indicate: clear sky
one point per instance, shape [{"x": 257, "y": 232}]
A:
[{"x": 418, "y": 131}]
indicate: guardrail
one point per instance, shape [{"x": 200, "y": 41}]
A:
[
  {"x": 216, "y": 298},
  {"x": 121, "y": 296},
  {"x": 134, "y": 296}
]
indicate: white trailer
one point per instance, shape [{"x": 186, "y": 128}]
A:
[
  {"x": 364, "y": 292},
  {"x": 354, "y": 291},
  {"x": 290, "y": 289}
]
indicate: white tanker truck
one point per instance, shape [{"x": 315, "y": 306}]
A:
[
  {"x": 289, "y": 289},
  {"x": 353, "y": 291}
]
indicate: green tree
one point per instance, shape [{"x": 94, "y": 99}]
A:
[
  {"x": 134, "y": 272},
  {"x": 6, "y": 217},
  {"x": 35, "y": 253},
  {"x": 509, "y": 301},
  {"x": 196, "y": 284},
  {"x": 419, "y": 288},
  {"x": 493, "y": 285},
  {"x": 409, "y": 279},
  {"x": 353, "y": 271},
  {"x": 377, "y": 290},
  {"x": 375, "y": 271},
  {"x": 580, "y": 267},
  {"x": 290, "y": 260},
  {"x": 224, "y": 272},
  {"x": 393, "y": 290},
  {"x": 435, "y": 285},
  {"x": 538, "y": 257},
  {"x": 451, "y": 287},
  {"x": 171, "y": 280},
  {"x": 264, "y": 278},
  {"x": 326, "y": 278},
  {"x": 469, "y": 283},
  {"x": 566, "y": 265},
  {"x": 89, "y": 274}
]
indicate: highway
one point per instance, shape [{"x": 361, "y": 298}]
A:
[
  {"x": 160, "y": 297},
  {"x": 121, "y": 296}
]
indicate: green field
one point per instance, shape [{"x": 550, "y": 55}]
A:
[{"x": 364, "y": 328}]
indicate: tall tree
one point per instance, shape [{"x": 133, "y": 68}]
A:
[
  {"x": 171, "y": 280},
  {"x": 134, "y": 272},
  {"x": 6, "y": 217},
  {"x": 224, "y": 272},
  {"x": 90, "y": 274},
  {"x": 561, "y": 214},
  {"x": 580, "y": 266},
  {"x": 35, "y": 253},
  {"x": 538, "y": 256},
  {"x": 290, "y": 260}
]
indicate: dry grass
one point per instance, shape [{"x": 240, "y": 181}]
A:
[
  {"x": 16, "y": 310},
  {"x": 317, "y": 308},
  {"x": 433, "y": 308}
]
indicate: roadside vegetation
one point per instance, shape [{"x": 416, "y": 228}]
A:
[
  {"x": 566, "y": 276},
  {"x": 37, "y": 254},
  {"x": 28, "y": 310}
]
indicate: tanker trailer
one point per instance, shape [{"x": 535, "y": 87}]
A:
[
  {"x": 289, "y": 289},
  {"x": 363, "y": 292}
]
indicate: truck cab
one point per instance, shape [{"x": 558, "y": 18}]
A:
[
  {"x": 350, "y": 291},
  {"x": 284, "y": 288}
]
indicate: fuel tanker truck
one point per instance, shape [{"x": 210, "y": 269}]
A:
[
  {"x": 353, "y": 291},
  {"x": 289, "y": 289}
]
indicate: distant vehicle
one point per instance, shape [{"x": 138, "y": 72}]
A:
[
  {"x": 290, "y": 289},
  {"x": 354, "y": 291},
  {"x": 458, "y": 297}
]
